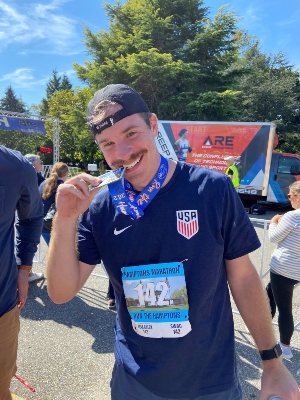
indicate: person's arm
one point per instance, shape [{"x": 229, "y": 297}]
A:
[
  {"x": 279, "y": 231},
  {"x": 250, "y": 298},
  {"x": 65, "y": 273},
  {"x": 230, "y": 173},
  {"x": 28, "y": 229}
]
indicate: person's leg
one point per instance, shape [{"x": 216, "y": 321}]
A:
[
  {"x": 9, "y": 330},
  {"x": 36, "y": 276},
  {"x": 110, "y": 291},
  {"x": 283, "y": 289},
  {"x": 124, "y": 387},
  {"x": 111, "y": 296},
  {"x": 271, "y": 299}
]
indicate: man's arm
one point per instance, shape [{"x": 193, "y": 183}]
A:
[
  {"x": 251, "y": 300},
  {"x": 65, "y": 273},
  {"x": 28, "y": 228},
  {"x": 230, "y": 174}
]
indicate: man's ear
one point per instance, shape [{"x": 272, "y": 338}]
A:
[{"x": 154, "y": 124}]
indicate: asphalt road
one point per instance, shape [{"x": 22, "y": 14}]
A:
[{"x": 66, "y": 351}]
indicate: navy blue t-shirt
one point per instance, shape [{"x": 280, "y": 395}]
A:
[
  {"x": 203, "y": 361},
  {"x": 18, "y": 193}
]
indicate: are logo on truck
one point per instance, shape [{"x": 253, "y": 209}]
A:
[
  {"x": 187, "y": 223},
  {"x": 219, "y": 142}
]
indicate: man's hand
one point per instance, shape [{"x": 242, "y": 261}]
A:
[
  {"x": 22, "y": 287},
  {"x": 73, "y": 196},
  {"x": 277, "y": 381}
]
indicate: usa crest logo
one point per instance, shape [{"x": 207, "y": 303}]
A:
[{"x": 187, "y": 223}]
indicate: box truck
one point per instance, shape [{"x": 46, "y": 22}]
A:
[{"x": 264, "y": 174}]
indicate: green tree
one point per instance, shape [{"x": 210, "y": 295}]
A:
[
  {"x": 10, "y": 102},
  {"x": 55, "y": 84},
  {"x": 76, "y": 142},
  {"x": 269, "y": 91},
  {"x": 171, "y": 52},
  {"x": 65, "y": 83},
  {"x": 180, "y": 294}
]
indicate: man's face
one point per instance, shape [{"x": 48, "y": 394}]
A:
[
  {"x": 228, "y": 163},
  {"x": 131, "y": 143},
  {"x": 38, "y": 166}
]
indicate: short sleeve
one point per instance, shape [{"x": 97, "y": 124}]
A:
[
  {"x": 30, "y": 204},
  {"x": 238, "y": 232},
  {"x": 87, "y": 248}
]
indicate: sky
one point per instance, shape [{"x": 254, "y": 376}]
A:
[{"x": 38, "y": 37}]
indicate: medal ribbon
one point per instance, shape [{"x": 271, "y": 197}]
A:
[{"x": 130, "y": 202}]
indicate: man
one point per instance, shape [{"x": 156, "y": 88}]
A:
[
  {"x": 232, "y": 171},
  {"x": 168, "y": 257},
  {"x": 111, "y": 303},
  {"x": 18, "y": 193},
  {"x": 37, "y": 164}
]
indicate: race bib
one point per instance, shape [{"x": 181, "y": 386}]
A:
[{"x": 157, "y": 300}]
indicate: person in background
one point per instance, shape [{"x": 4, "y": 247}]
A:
[
  {"x": 183, "y": 145},
  {"x": 18, "y": 194},
  {"x": 232, "y": 171},
  {"x": 47, "y": 189},
  {"x": 154, "y": 241},
  {"x": 284, "y": 230},
  {"x": 111, "y": 303},
  {"x": 37, "y": 164}
]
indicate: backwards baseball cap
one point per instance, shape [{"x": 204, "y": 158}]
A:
[{"x": 131, "y": 101}]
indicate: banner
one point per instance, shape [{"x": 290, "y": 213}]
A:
[{"x": 22, "y": 124}]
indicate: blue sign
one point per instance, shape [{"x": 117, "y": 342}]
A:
[{"x": 22, "y": 124}]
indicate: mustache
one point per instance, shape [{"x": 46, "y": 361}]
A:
[{"x": 119, "y": 163}]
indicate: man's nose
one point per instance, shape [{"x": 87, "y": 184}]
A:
[{"x": 123, "y": 151}]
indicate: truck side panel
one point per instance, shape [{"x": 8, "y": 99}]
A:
[
  {"x": 209, "y": 142},
  {"x": 263, "y": 174}
]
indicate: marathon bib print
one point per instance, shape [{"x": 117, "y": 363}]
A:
[{"x": 156, "y": 299}]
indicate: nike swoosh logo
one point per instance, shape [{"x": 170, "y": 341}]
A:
[{"x": 116, "y": 232}]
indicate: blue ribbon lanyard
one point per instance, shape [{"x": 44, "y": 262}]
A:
[{"x": 130, "y": 202}]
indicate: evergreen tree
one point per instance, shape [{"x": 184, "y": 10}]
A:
[
  {"x": 10, "y": 102},
  {"x": 65, "y": 83},
  {"x": 53, "y": 85},
  {"x": 44, "y": 107},
  {"x": 172, "y": 53},
  {"x": 188, "y": 66},
  {"x": 269, "y": 91}
]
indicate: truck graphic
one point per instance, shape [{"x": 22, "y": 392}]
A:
[{"x": 264, "y": 173}]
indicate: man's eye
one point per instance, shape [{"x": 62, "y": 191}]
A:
[{"x": 131, "y": 134}]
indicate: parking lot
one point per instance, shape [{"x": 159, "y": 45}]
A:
[{"x": 66, "y": 351}]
